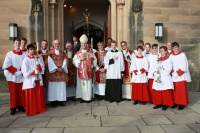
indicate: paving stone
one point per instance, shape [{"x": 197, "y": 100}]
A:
[
  {"x": 47, "y": 130},
  {"x": 18, "y": 114},
  {"x": 185, "y": 111},
  {"x": 121, "y": 121},
  {"x": 150, "y": 129},
  {"x": 195, "y": 108},
  {"x": 177, "y": 129},
  {"x": 194, "y": 117},
  {"x": 99, "y": 110},
  {"x": 148, "y": 110},
  {"x": 3, "y": 110},
  {"x": 74, "y": 122},
  {"x": 15, "y": 130},
  {"x": 130, "y": 129},
  {"x": 122, "y": 110},
  {"x": 125, "y": 103},
  {"x": 103, "y": 103},
  {"x": 156, "y": 119},
  {"x": 6, "y": 121},
  {"x": 31, "y": 122},
  {"x": 180, "y": 119},
  {"x": 68, "y": 111},
  {"x": 96, "y": 102},
  {"x": 195, "y": 127}
]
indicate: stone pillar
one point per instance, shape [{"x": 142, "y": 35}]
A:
[
  {"x": 52, "y": 21},
  {"x": 113, "y": 19},
  {"x": 120, "y": 21}
]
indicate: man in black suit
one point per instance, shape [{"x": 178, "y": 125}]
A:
[{"x": 76, "y": 44}]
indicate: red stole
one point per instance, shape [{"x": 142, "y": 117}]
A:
[
  {"x": 85, "y": 67},
  {"x": 126, "y": 72},
  {"x": 100, "y": 77}
]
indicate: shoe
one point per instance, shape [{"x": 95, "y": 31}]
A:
[
  {"x": 181, "y": 107},
  {"x": 12, "y": 111},
  {"x": 72, "y": 99},
  {"x": 88, "y": 101},
  {"x": 157, "y": 106},
  {"x": 143, "y": 103},
  {"x": 164, "y": 107},
  {"x": 136, "y": 102},
  {"x": 82, "y": 101},
  {"x": 61, "y": 103},
  {"x": 54, "y": 104},
  {"x": 175, "y": 105},
  {"x": 21, "y": 108}
]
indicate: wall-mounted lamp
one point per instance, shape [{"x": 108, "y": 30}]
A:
[
  {"x": 159, "y": 31},
  {"x": 13, "y": 31}
]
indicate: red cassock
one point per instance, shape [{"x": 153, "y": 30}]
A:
[
  {"x": 35, "y": 102},
  {"x": 151, "y": 90},
  {"x": 181, "y": 93},
  {"x": 126, "y": 72},
  {"x": 140, "y": 92},
  {"x": 164, "y": 97}
]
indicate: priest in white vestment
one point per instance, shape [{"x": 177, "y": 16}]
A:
[
  {"x": 84, "y": 61},
  {"x": 57, "y": 65}
]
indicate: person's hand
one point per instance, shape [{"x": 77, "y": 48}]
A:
[
  {"x": 102, "y": 70},
  {"x": 156, "y": 75},
  {"x": 82, "y": 58},
  {"x": 36, "y": 72},
  {"x": 122, "y": 74},
  {"x": 129, "y": 61},
  {"x": 139, "y": 73},
  {"x": 174, "y": 74},
  {"x": 18, "y": 73},
  {"x": 115, "y": 58}
]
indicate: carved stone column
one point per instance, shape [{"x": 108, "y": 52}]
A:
[{"x": 120, "y": 20}]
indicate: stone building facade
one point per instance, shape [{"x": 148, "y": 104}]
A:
[{"x": 181, "y": 19}]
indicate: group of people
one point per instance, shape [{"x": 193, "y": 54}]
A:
[{"x": 153, "y": 74}]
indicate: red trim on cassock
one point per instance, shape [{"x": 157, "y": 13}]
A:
[
  {"x": 142, "y": 70},
  {"x": 97, "y": 74},
  {"x": 181, "y": 93},
  {"x": 126, "y": 72},
  {"x": 30, "y": 56},
  {"x": 17, "y": 95},
  {"x": 33, "y": 72},
  {"x": 140, "y": 57},
  {"x": 164, "y": 97},
  {"x": 163, "y": 58},
  {"x": 35, "y": 101},
  {"x": 140, "y": 92},
  {"x": 135, "y": 71},
  {"x": 39, "y": 67},
  {"x": 180, "y": 72},
  {"x": 151, "y": 90},
  {"x": 12, "y": 69},
  {"x": 179, "y": 52}
]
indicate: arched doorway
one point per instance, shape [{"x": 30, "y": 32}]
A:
[
  {"x": 95, "y": 33},
  {"x": 75, "y": 24}
]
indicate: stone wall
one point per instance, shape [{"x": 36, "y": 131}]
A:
[
  {"x": 12, "y": 11},
  {"x": 181, "y": 19}
]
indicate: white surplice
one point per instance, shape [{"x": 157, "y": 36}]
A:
[
  {"x": 180, "y": 62},
  {"x": 28, "y": 66},
  {"x": 113, "y": 71},
  {"x": 56, "y": 90},
  {"x": 165, "y": 77},
  {"x": 152, "y": 60},
  {"x": 15, "y": 61},
  {"x": 138, "y": 64},
  {"x": 84, "y": 87}
]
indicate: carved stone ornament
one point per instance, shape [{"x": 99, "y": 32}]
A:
[{"x": 137, "y": 6}]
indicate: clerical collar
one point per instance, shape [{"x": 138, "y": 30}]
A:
[
  {"x": 140, "y": 57},
  {"x": 169, "y": 51},
  {"x": 83, "y": 51},
  {"x": 24, "y": 49},
  {"x": 124, "y": 51},
  {"x": 179, "y": 52},
  {"x": 44, "y": 51},
  {"x": 30, "y": 56},
  {"x": 18, "y": 52},
  {"x": 163, "y": 58},
  {"x": 114, "y": 51},
  {"x": 57, "y": 52}
]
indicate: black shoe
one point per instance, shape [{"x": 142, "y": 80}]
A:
[
  {"x": 61, "y": 103},
  {"x": 181, "y": 107},
  {"x": 118, "y": 102},
  {"x": 12, "y": 111},
  {"x": 143, "y": 103},
  {"x": 72, "y": 99},
  {"x": 175, "y": 105},
  {"x": 88, "y": 101},
  {"x": 21, "y": 108},
  {"x": 82, "y": 101},
  {"x": 54, "y": 104},
  {"x": 136, "y": 102},
  {"x": 157, "y": 106},
  {"x": 164, "y": 107}
]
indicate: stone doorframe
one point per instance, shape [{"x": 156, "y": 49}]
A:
[{"x": 54, "y": 20}]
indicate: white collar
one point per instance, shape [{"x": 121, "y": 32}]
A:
[{"x": 44, "y": 51}]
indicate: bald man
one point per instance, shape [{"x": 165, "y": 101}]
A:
[{"x": 58, "y": 76}]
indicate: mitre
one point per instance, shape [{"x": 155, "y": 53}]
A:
[{"x": 83, "y": 39}]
